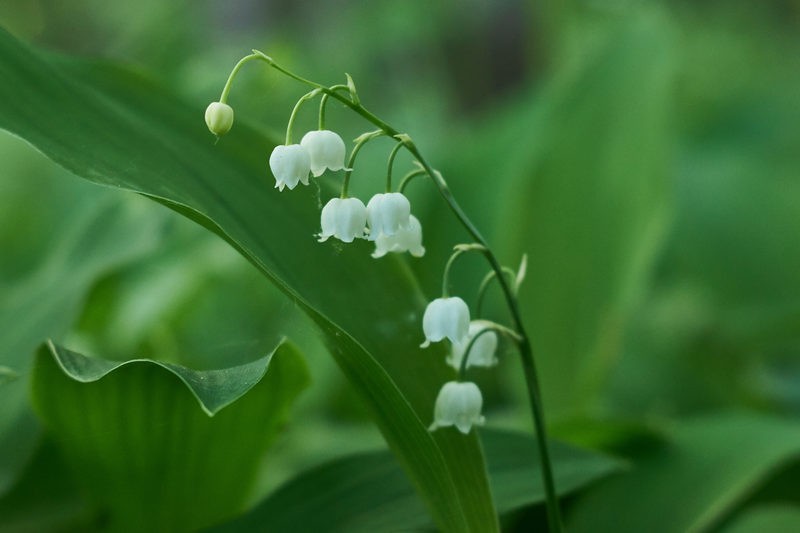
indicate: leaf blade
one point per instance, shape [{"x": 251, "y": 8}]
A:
[
  {"x": 137, "y": 438},
  {"x": 116, "y": 129}
]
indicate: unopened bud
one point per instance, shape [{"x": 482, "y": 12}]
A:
[{"x": 219, "y": 118}]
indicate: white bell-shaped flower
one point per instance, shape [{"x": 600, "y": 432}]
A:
[
  {"x": 387, "y": 214},
  {"x": 343, "y": 218},
  {"x": 408, "y": 239},
  {"x": 445, "y": 317},
  {"x": 219, "y": 118},
  {"x": 483, "y": 349},
  {"x": 458, "y": 404},
  {"x": 290, "y": 164},
  {"x": 326, "y": 150}
]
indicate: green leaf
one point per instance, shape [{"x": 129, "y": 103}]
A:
[
  {"x": 6, "y": 375},
  {"x": 45, "y": 498},
  {"x": 711, "y": 465},
  {"x": 178, "y": 443},
  {"x": 115, "y": 128},
  {"x": 95, "y": 236},
  {"x": 772, "y": 518},
  {"x": 588, "y": 190},
  {"x": 368, "y": 492}
]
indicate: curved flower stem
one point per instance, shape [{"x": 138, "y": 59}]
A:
[
  {"x": 322, "y": 102},
  {"x": 227, "y": 89},
  {"x": 446, "y": 273},
  {"x": 462, "y": 369},
  {"x": 408, "y": 177},
  {"x": 523, "y": 343},
  {"x": 390, "y": 164},
  {"x": 308, "y": 96},
  {"x": 485, "y": 285},
  {"x": 361, "y": 141},
  {"x": 457, "y": 251}
]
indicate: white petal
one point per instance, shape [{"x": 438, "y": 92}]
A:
[
  {"x": 290, "y": 165},
  {"x": 458, "y": 404},
  {"x": 388, "y": 213},
  {"x": 446, "y": 317},
  {"x": 343, "y": 218},
  {"x": 326, "y": 150}
]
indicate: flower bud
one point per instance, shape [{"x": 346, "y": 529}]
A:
[
  {"x": 326, "y": 150},
  {"x": 219, "y": 118},
  {"x": 290, "y": 165},
  {"x": 343, "y": 218},
  {"x": 458, "y": 404},
  {"x": 445, "y": 317}
]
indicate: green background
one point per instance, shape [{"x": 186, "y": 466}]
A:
[{"x": 644, "y": 155}]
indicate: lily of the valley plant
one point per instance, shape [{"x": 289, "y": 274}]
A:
[{"x": 387, "y": 221}]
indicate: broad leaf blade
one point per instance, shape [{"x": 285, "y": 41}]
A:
[
  {"x": 112, "y": 127},
  {"x": 589, "y": 194},
  {"x": 772, "y": 518},
  {"x": 141, "y": 439},
  {"x": 368, "y": 492},
  {"x": 712, "y": 464},
  {"x": 94, "y": 238}
]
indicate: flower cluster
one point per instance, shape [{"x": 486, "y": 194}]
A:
[
  {"x": 386, "y": 220},
  {"x": 472, "y": 343}
]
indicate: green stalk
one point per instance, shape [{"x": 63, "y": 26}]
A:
[
  {"x": 390, "y": 164},
  {"x": 361, "y": 141},
  {"x": 408, "y": 177},
  {"x": 523, "y": 341}
]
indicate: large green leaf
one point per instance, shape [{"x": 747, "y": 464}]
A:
[
  {"x": 115, "y": 128},
  {"x": 158, "y": 446},
  {"x": 712, "y": 464},
  {"x": 94, "y": 237},
  {"x": 767, "y": 519},
  {"x": 45, "y": 497},
  {"x": 368, "y": 492},
  {"x": 584, "y": 168}
]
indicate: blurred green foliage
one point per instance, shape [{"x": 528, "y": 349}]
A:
[{"x": 643, "y": 154}]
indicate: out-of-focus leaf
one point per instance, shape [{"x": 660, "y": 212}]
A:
[
  {"x": 767, "y": 519},
  {"x": 115, "y": 128},
  {"x": 618, "y": 437},
  {"x": 6, "y": 375},
  {"x": 584, "y": 169},
  {"x": 711, "y": 465},
  {"x": 160, "y": 447},
  {"x": 722, "y": 325},
  {"x": 45, "y": 498},
  {"x": 368, "y": 492},
  {"x": 97, "y": 238}
]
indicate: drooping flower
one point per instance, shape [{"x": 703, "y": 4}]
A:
[
  {"x": 408, "y": 239},
  {"x": 387, "y": 214},
  {"x": 483, "y": 349},
  {"x": 343, "y": 218},
  {"x": 326, "y": 150},
  {"x": 445, "y": 317},
  {"x": 219, "y": 118},
  {"x": 458, "y": 404},
  {"x": 290, "y": 164}
]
